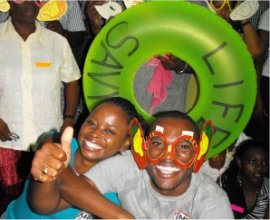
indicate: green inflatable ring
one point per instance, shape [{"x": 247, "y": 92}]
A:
[{"x": 223, "y": 65}]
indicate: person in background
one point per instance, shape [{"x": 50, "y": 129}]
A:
[
  {"x": 242, "y": 24},
  {"x": 255, "y": 19},
  {"x": 163, "y": 187},
  {"x": 257, "y": 46},
  {"x": 103, "y": 134},
  {"x": 32, "y": 70},
  {"x": 258, "y": 126},
  {"x": 246, "y": 181},
  {"x": 218, "y": 164},
  {"x": 71, "y": 26},
  {"x": 171, "y": 71}
]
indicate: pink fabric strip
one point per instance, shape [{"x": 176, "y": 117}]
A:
[
  {"x": 237, "y": 208},
  {"x": 158, "y": 84}
]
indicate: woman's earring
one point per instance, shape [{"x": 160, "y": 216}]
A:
[{"x": 239, "y": 179}]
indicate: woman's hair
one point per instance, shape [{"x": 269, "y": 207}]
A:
[
  {"x": 179, "y": 115},
  {"x": 248, "y": 144},
  {"x": 126, "y": 106},
  {"x": 122, "y": 103}
]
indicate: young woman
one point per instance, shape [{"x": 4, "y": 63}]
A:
[
  {"x": 246, "y": 181},
  {"x": 103, "y": 134}
]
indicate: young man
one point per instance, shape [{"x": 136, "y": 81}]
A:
[{"x": 164, "y": 185}]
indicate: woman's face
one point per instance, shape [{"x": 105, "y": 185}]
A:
[
  {"x": 254, "y": 165},
  {"x": 104, "y": 133}
]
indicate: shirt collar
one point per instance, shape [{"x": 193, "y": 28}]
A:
[{"x": 11, "y": 28}]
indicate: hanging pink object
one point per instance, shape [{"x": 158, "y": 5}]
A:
[{"x": 158, "y": 84}]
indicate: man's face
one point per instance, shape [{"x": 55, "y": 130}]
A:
[
  {"x": 24, "y": 11},
  {"x": 166, "y": 176}
]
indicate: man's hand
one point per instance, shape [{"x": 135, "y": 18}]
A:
[
  {"x": 171, "y": 62},
  {"x": 51, "y": 159}
]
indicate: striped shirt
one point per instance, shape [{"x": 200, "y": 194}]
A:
[
  {"x": 73, "y": 19},
  {"x": 262, "y": 203}
]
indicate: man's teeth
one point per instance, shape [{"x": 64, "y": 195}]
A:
[
  {"x": 167, "y": 170},
  {"x": 93, "y": 146}
]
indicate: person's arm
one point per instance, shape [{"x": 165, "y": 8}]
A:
[
  {"x": 44, "y": 196},
  {"x": 257, "y": 43},
  {"x": 260, "y": 109},
  {"x": 67, "y": 189},
  {"x": 94, "y": 18},
  {"x": 82, "y": 193},
  {"x": 50, "y": 196},
  {"x": 171, "y": 62},
  {"x": 72, "y": 95},
  {"x": 252, "y": 39},
  {"x": 47, "y": 192}
]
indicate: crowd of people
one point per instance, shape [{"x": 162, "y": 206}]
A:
[{"x": 57, "y": 160}]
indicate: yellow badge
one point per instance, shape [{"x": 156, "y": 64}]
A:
[{"x": 43, "y": 64}]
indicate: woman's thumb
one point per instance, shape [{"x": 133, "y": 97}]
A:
[{"x": 66, "y": 139}]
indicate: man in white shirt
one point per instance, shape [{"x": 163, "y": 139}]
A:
[{"x": 34, "y": 62}]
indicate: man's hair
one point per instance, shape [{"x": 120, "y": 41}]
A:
[{"x": 179, "y": 115}]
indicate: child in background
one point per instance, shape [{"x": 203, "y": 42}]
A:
[
  {"x": 217, "y": 165},
  {"x": 246, "y": 181}
]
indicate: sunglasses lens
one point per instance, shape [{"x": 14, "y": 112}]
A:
[{"x": 184, "y": 151}]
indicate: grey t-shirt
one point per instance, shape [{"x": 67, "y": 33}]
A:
[{"x": 203, "y": 199}]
